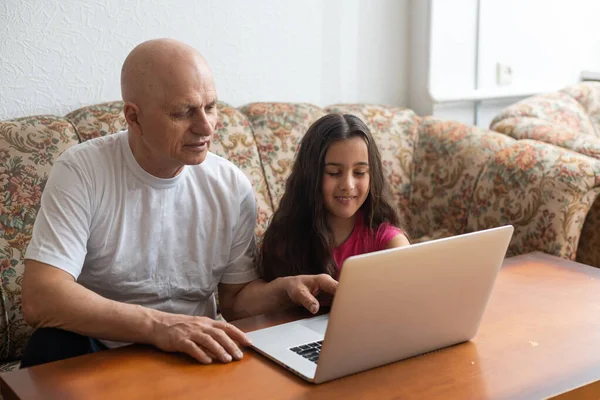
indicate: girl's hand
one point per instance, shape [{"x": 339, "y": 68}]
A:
[{"x": 304, "y": 290}]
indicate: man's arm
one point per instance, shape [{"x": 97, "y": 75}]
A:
[
  {"x": 258, "y": 297},
  {"x": 242, "y": 295},
  {"x": 52, "y": 298}
]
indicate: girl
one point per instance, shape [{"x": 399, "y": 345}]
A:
[{"x": 336, "y": 204}]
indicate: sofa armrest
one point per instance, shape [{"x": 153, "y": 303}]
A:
[
  {"x": 549, "y": 132},
  {"x": 567, "y": 118},
  {"x": 544, "y": 191},
  {"x": 467, "y": 179},
  {"x": 559, "y": 109}
]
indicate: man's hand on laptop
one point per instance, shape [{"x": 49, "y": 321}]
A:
[
  {"x": 307, "y": 290},
  {"x": 202, "y": 338}
]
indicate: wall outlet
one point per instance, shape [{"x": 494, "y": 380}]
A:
[{"x": 504, "y": 74}]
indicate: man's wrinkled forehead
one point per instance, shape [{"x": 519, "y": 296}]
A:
[{"x": 191, "y": 85}]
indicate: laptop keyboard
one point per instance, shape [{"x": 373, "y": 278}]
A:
[{"x": 310, "y": 351}]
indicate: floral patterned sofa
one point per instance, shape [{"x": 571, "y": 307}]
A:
[
  {"x": 449, "y": 178},
  {"x": 568, "y": 118}
]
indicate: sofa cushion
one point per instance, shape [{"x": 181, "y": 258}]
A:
[
  {"x": 395, "y": 132},
  {"x": 278, "y": 128},
  {"x": 98, "y": 120},
  {"x": 28, "y": 148},
  {"x": 448, "y": 160},
  {"x": 234, "y": 141}
]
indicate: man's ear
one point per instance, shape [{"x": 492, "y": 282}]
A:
[{"x": 132, "y": 113}]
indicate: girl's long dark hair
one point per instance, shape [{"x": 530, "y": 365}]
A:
[{"x": 299, "y": 240}]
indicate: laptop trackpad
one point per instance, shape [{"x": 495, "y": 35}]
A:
[{"x": 317, "y": 324}]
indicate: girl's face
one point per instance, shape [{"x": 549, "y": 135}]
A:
[{"x": 346, "y": 177}]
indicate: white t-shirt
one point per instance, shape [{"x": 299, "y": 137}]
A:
[{"x": 135, "y": 238}]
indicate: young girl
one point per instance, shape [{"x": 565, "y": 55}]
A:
[{"x": 336, "y": 204}]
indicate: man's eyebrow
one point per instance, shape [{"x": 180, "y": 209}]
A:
[
  {"x": 192, "y": 105},
  {"x": 183, "y": 105}
]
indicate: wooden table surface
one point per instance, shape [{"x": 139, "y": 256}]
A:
[{"x": 540, "y": 337}]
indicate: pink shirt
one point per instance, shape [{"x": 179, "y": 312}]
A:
[{"x": 363, "y": 241}]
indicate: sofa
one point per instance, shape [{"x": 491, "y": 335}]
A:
[
  {"x": 568, "y": 118},
  {"x": 448, "y": 178}
]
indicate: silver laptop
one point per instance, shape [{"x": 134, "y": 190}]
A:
[{"x": 391, "y": 305}]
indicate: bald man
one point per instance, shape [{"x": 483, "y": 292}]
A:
[{"x": 137, "y": 230}]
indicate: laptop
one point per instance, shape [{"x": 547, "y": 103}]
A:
[{"x": 391, "y": 305}]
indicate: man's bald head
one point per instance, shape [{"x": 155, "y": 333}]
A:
[
  {"x": 156, "y": 66},
  {"x": 170, "y": 106}
]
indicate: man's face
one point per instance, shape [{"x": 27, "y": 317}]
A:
[{"x": 178, "y": 119}]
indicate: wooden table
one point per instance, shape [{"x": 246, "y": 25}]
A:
[{"x": 539, "y": 337}]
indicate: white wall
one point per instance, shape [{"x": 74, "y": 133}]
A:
[
  {"x": 547, "y": 42},
  {"x": 57, "y": 55}
]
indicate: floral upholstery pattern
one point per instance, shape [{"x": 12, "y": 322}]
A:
[
  {"x": 449, "y": 158},
  {"x": 234, "y": 141},
  {"x": 278, "y": 128},
  {"x": 450, "y": 178},
  {"x": 98, "y": 120},
  {"x": 558, "y": 108},
  {"x": 587, "y": 94},
  {"x": 544, "y": 131},
  {"x": 395, "y": 132},
  {"x": 569, "y": 118},
  {"x": 28, "y": 148},
  {"x": 543, "y": 191}
]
